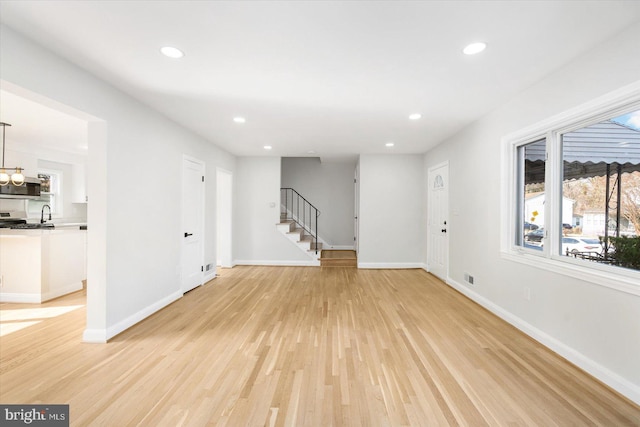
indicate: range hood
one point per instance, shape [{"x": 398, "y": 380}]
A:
[{"x": 29, "y": 190}]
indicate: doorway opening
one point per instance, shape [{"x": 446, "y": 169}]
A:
[{"x": 224, "y": 205}]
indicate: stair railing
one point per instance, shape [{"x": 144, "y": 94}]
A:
[{"x": 296, "y": 208}]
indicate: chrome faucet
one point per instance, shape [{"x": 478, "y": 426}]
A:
[{"x": 42, "y": 220}]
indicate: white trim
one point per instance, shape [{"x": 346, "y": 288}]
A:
[
  {"x": 610, "y": 378},
  {"x": 391, "y": 265},
  {"x": 21, "y": 298},
  {"x": 203, "y": 207},
  {"x": 338, "y": 247},
  {"x": 210, "y": 276},
  {"x": 128, "y": 322},
  {"x": 577, "y": 270},
  {"x": 74, "y": 287},
  {"x": 229, "y": 258},
  {"x": 601, "y": 108},
  {"x": 94, "y": 336},
  {"x": 279, "y": 263}
]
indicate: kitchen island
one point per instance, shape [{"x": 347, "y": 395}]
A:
[{"x": 41, "y": 264}]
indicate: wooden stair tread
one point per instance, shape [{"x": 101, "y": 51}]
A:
[
  {"x": 338, "y": 254},
  {"x": 338, "y": 258}
]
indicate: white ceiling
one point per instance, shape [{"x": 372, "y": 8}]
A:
[
  {"x": 336, "y": 78},
  {"x": 36, "y": 127}
]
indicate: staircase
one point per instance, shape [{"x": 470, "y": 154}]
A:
[
  {"x": 338, "y": 258},
  {"x": 299, "y": 222}
]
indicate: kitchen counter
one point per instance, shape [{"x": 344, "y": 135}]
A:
[
  {"x": 69, "y": 224},
  {"x": 41, "y": 264}
]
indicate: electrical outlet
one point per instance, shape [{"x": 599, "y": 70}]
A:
[
  {"x": 527, "y": 293},
  {"x": 468, "y": 278}
]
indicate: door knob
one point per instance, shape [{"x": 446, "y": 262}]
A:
[{"x": 188, "y": 234}]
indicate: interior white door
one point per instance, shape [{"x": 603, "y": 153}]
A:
[
  {"x": 356, "y": 209},
  {"x": 438, "y": 221},
  {"x": 192, "y": 223}
]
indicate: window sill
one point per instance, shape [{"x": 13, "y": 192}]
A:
[{"x": 628, "y": 282}]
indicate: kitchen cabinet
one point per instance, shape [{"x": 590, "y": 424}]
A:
[
  {"x": 79, "y": 176},
  {"x": 39, "y": 265}
]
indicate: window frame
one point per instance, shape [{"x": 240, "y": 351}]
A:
[
  {"x": 57, "y": 206},
  {"x": 549, "y": 258}
]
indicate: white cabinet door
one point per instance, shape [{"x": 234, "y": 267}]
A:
[{"x": 79, "y": 177}]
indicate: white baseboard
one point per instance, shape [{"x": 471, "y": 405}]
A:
[
  {"x": 142, "y": 314},
  {"x": 21, "y": 298},
  {"x": 94, "y": 336},
  {"x": 74, "y": 287},
  {"x": 310, "y": 263},
  {"x": 209, "y": 276},
  {"x": 613, "y": 380},
  {"x": 390, "y": 265},
  {"x": 103, "y": 335}
]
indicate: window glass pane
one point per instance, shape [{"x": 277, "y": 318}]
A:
[
  {"x": 49, "y": 195},
  {"x": 601, "y": 191},
  {"x": 530, "y": 227}
]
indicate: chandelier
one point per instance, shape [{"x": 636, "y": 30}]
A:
[{"x": 16, "y": 178}]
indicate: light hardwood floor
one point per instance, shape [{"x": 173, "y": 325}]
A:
[{"x": 303, "y": 346}]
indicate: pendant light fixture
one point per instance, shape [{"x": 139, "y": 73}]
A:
[{"x": 16, "y": 178}]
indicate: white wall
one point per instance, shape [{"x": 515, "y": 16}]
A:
[
  {"x": 329, "y": 187},
  {"x": 392, "y": 226},
  {"x": 134, "y": 165},
  {"x": 256, "y": 213},
  {"x": 596, "y": 327}
]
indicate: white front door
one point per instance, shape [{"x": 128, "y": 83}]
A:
[
  {"x": 192, "y": 223},
  {"x": 438, "y": 221}
]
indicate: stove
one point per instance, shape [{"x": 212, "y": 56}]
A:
[
  {"x": 30, "y": 226},
  {"x": 17, "y": 220},
  {"x": 11, "y": 222}
]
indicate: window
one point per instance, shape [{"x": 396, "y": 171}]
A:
[
  {"x": 50, "y": 194},
  {"x": 531, "y": 197},
  {"x": 571, "y": 192},
  {"x": 601, "y": 182}
]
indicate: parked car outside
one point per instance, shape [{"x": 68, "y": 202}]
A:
[
  {"x": 581, "y": 244},
  {"x": 529, "y": 226},
  {"x": 534, "y": 238}
]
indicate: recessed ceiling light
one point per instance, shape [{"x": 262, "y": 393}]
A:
[
  {"x": 268, "y": 147},
  {"x": 239, "y": 119},
  {"x": 389, "y": 144},
  {"x": 172, "y": 52},
  {"x": 474, "y": 48},
  {"x": 415, "y": 116},
  {"x": 311, "y": 152}
]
